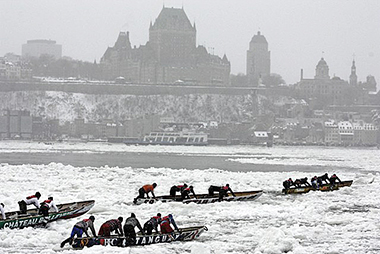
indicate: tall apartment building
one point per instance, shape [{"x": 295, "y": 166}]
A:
[{"x": 258, "y": 59}]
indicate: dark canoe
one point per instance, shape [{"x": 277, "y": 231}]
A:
[
  {"x": 32, "y": 218},
  {"x": 324, "y": 187},
  {"x": 204, "y": 198},
  {"x": 184, "y": 234}
]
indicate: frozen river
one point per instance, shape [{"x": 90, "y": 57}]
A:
[{"x": 344, "y": 221}]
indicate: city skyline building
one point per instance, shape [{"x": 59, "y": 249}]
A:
[
  {"x": 170, "y": 56},
  {"x": 258, "y": 59},
  {"x": 37, "y": 48}
]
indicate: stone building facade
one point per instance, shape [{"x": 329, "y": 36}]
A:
[
  {"x": 258, "y": 59},
  {"x": 170, "y": 56}
]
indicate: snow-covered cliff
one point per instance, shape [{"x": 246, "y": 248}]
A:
[{"x": 190, "y": 107}]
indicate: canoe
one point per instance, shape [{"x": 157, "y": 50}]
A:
[
  {"x": 203, "y": 198},
  {"x": 32, "y": 218},
  {"x": 184, "y": 234},
  {"x": 324, "y": 187}
]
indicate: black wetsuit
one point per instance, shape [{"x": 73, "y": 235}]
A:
[
  {"x": 287, "y": 184},
  {"x": 325, "y": 178},
  {"x": 185, "y": 193},
  {"x": 176, "y": 188}
]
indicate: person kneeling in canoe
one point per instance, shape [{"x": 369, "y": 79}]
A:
[
  {"x": 145, "y": 190},
  {"x": 165, "y": 224},
  {"x": 152, "y": 223},
  {"x": 46, "y": 205},
  {"x": 324, "y": 178},
  {"x": 333, "y": 179},
  {"x": 177, "y": 188},
  {"x": 185, "y": 193},
  {"x": 314, "y": 182},
  {"x": 79, "y": 228},
  {"x": 303, "y": 181},
  {"x": 129, "y": 229},
  {"x": 29, "y": 201},
  {"x": 111, "y": 225},
  {"x": 288, "y": 183},
  {"x": 223, "y": 191}
]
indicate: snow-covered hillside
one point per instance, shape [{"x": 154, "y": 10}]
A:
[{"x": 191, "y": 107}]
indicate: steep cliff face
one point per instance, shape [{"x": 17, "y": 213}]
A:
[{"x": 190, "y": 107}]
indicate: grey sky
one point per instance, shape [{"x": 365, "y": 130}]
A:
[{"x": 298, "y": 31}]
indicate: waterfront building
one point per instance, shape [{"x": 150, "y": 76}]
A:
[
  {"x": 170, "y": 56},
  {"x": 37, "y": 48},
  {"x": 258, "y": 59}
]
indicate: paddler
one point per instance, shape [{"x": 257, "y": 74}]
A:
[
  {"x": 325, "y": 178},
  {"x": 129, "y": 229},
  {"x": 288, "y": 183},
  {"x": 79, "y": 228},
  {"x": 46, "y": 205},
  {"x": 177, "y": 188},
  {"x": 333, "y": 179},
  {"x": 111, "y": 225},
  {"x": 146, "y": 189},
  {"x": 223, "y": 190},
  {"x": 152, "y": 223},
  {"x": 29, "y": 201},
  {"x": 302, "y": 181},
  {"x": 185, "y": 193},
  {"x": 165, "y": 224}
]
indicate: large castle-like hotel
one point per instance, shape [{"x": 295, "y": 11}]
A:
[{"x": 171, "y": 55}]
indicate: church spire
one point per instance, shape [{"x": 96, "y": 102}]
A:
[{"x": 353, "y": 76}]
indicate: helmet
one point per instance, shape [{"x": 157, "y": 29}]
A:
[
  {"x": 154, "y": 185},
  {"x": 92, "y": 218},
  {"x": 38, "y": 195},
  {"x": 170, "y": 216},
  {"x": 50, "y": 198},
  {"x": 120, "y": 219},
  {"x": 133, "y": 215},
  {"x": 159, "y": 214},
  {"x": 227, "y": 185},
  {"x": 185, "y": 185}
]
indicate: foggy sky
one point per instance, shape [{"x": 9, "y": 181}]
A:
[{"x": 298, "y": 31}]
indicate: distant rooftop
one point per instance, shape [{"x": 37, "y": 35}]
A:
[{"x": 41, "y": 41}]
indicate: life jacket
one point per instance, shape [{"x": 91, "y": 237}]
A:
[
  {"x": 225, "y": 188},
  {"x": 187, "y": 189},
  {"x": 148, "y": 188},
  {"x": 165, "y": 219},
  {"x": 33, "y": 196},
  {"x": 180, "y": 186},
  {"x": 48, "y": 201}
]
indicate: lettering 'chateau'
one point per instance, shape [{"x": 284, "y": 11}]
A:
[{"x": 171, "y": 55}]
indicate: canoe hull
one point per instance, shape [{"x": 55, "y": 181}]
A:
[
  {"x": 185, "y": 234},
  {"x": 32, "y": 218},
  {"x": 204, "y": 198},
  {"x": 324, "y": 187}
]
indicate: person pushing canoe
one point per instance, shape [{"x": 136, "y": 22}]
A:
[{"x": 146, "y": 189}]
